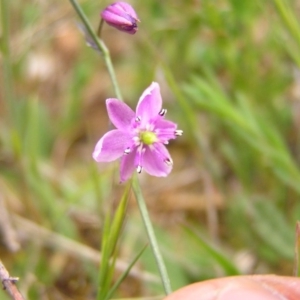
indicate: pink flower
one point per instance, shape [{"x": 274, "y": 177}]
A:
[
  {"x": 122, "y": 16},
  {"x": 140, "y": 137}
]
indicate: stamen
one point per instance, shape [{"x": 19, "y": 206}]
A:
[
  {"x": 127, "y": 151},
  {"x": 168, "y": 161},
  {"x": 138, "y": 119},
  {"x": 139, "y": 169},
  {"x": 163, "y": 112},
  {"x": 178, "y": 132}
]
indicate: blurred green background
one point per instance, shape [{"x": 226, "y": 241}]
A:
[{"x": 229, "y": 76}]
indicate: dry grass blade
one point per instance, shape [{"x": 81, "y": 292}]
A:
[
  {"x": 7, "y": 231},
  {"x": 51, "y": 239}
]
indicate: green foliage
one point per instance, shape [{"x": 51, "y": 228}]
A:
[
  {"x": 216, "y": 255},
  {"x": 253, "y": 127},
  {"x": 110, "y": 236}
]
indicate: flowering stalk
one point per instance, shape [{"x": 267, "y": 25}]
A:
[
  {"x": 136, "y": 188},
  {"x": 151, "y": 235},
  {"x": 100, "y": 28},
  {"x": 101, "y": 46}
]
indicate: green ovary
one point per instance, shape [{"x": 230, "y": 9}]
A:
[{"x": 148, "y": 137}]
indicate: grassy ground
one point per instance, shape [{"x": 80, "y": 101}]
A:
[{"x": 229, "y": 75}]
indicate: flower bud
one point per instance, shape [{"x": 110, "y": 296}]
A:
[{"x": 122, "y": 16}]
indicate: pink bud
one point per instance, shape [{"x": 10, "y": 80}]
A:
[{"x": 122, "y": 16}]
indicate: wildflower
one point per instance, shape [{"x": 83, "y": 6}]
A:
[
  {"x": 140, "y": 137},
  {"x": 122, "y": 16}
]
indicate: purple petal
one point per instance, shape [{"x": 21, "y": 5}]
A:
[
  {"x": 127, "y": 165},
  {"x": 111, "y": 146},
  {"x": 149, "y": 104},
  {"x": 161, "y": 123},
  {"x": 164, "y": 129},
  {"x": 113, "y": 19},
  {"x": 119, "y": 12},
  {"x": 121, "y": 16},
  {"x": 155, "y": 160},
  {"x": 120, "y": 114},
  {"x": 128, "y": 8}
]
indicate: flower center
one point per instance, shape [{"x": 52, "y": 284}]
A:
[{"x": 148, "y": 137}]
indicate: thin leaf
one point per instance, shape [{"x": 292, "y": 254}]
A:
[
  {"x": 125, "y": 273},
  {"x": 111, "y": 234},
  {"x": 215, "y": 254}
]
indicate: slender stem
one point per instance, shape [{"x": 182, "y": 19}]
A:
[
  {"x": 100, "y": 28},
  {"x": 101, "y": 46},
  {"x": 7, "y": 64},
  {"x": 111, "y": 72},
  {"x": 151, "y": 235}
]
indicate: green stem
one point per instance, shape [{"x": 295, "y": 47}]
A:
[
  {"x": 151, "y": 235},
  {"x": 99, "y": 30},
  {"x": 101, "y": 46},
  {"x": 8, "y": 94}
]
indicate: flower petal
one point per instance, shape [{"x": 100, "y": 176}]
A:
[
  {"x": 164, "y": 129},
  {"x": 163, "y": 124},
  {"x": 111, "y": 146},
  {"x": 128, "y": 9},
  {"x": 154, "y": 160},
  {"x": 119, "y": 13},
  {"x": 127, "y": 165},
  {"x": 120, "y": 114},
  {"x": 149, "y": 104},
  {"x": 121, "y": 17}
]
